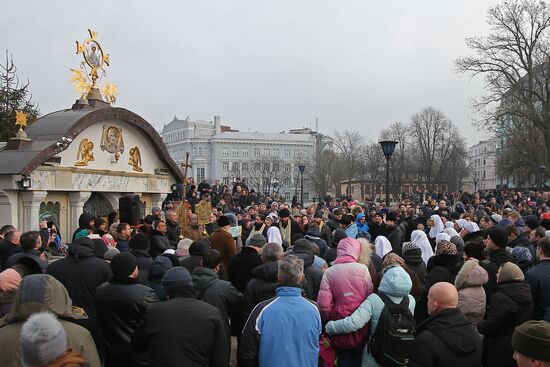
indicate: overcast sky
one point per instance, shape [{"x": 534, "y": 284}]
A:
[{"x": 260, "y": 65}]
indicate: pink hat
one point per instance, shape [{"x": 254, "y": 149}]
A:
[{"x": 9, "y": 280}]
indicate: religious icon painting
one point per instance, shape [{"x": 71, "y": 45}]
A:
[{"x": 111, "y": 139}]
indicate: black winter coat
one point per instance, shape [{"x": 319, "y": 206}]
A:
[
  {"x": 183, "y": 331},
  {"x": 241, "y": 265},
  {"x": 440, "y": 268},
  {"x": 81, "y": 272},
  {"x": 144, "y": 262},
  {"x": 539, "y": 281},
  {"x": 312, "y": 275},
  {"x": 262, "y": 285},
  {"x": 121, "y": 305},
  {"x": 413, "y": 259},
  {"x": 511, "y": 305},
  {"x": 446, "y": 339},
  {"x": 491, "y": 265},
  {"x": 397, "y": 237},
  {"x": 173, "y": 233},
  {"x": 159, "y": 244},
  {"x": 218, "y": 293},
  {"x": 6, "y": 250}
]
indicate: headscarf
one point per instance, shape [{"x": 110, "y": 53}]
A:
[
  {"x": 437, "y": 227},
  {"x": 442, "y": 237},
  {"x": 392, "y": 259},
  {"x": 471, "y": 227},
  {"x": 274, "y": 235},
  {"x": 446, "y": 248},
  {"x": 461, "y": 222},
  {"x": 450, "y": 230},
  {"x": 361, "y": 227},
  {"x": 382, "y": 246},
  {"x": 420, "y": 239}
]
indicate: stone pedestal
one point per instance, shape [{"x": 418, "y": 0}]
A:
[
  {"x": 156, "y": 200},
  {"x": 76, "y": 206},
  {"x": 31, "y": 209}
]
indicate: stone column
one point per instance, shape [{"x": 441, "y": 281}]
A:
[
  {"x": 31, "y": 209},
  {"x": 76, "y": 206},
  {"x": 156, "y": 200}
]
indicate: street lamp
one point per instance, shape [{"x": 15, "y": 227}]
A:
[
  {"x": 475, "y": 184},
  {"x": 301, "y": 168},
  {"x": 275, "y": 183},
  {"x": 388, "y": 146},
  {"x": 541, "y": 170}
]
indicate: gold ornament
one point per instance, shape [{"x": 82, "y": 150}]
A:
[
  {"x": 85, "y": 153},
  {"x": 94, "y": 56},
  {"x": 135, "y": 159},
  {"x": 80, "y": 83},
  {"x": 21, "y": 119},
  {"x": 109, "y": 91}
]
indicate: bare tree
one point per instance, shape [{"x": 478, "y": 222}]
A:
[
  {"x": 514, "y": 61},
  {"x": 323, "y": 172},
  {"x": 348, "y": 144},
  {"x": 433, "y": 134},
  {"x": 401, "y": 161},
  {"x": 268, "y": 175}
]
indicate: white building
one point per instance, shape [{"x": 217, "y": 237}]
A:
[
  {"x": 268, "y": 162},
  {"x": 482, "y": 160}
]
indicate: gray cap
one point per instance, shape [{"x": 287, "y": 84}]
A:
[
  {"x": 176, "y": 277},
  {"x": 42, "y": 339},
  {"x": 496, "y": 218},
  {"x": 257, "y": 240}
]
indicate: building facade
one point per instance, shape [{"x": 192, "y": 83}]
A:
[
  {"x": 267, "y": 162},
  {"x": 483, "y": 163}
]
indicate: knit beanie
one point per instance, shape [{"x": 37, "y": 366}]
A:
[
  {"x": 407, "y": 246},
  {"x": 42, "y": 339},
  {"x": 139, "y": 242},
  {"x": 459, "y": 243},
  {"x": 9, "y": 280},
  {"x": 110, "y": 253},
  {"x": 498, "y": 236},
  {"x": 510, "y": 272},
  {"x": 532, "y": 339},
  {"x": 223, "y": 221},
  {"x": 184, "y": 244},
  {"x": 123, "y": 265},
  {"x": 445, "y": 248},
  {"x": 257, "y": 240},
  {"x": 522, "y": 255},
  {"x": 177, "y": 276}
]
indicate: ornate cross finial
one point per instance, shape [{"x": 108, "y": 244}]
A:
[
  {"x": 21, "y": 119},
  {"x": 94, "y": 56}
]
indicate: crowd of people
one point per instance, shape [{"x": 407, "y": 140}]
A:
[{"x": 436, "y": 279}]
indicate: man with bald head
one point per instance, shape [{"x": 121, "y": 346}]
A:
[{"x": 447, "y": 338}]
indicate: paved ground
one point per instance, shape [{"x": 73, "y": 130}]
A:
[{"x": 233, "y": 358}]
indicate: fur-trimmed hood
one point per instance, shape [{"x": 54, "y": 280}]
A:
[
  {"x": 367, "y": 249},
  {"x": 471, "y": 275}
]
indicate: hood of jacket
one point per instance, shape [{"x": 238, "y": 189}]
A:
[
  {"x": 518, "y": 291},
  {"x": 198, "y": 248},
  {"x": 361, "y": 227},
  {"x": 395, "y": 282},
  {"x": 312, "y": 233},
  {"x": 348, "y": 247},
  {"x": 471, "y": 275},
  {"x": 38, "y": 293},
  {"x": 500, "y": 256},
  {"x": 308, "y": 258},
  {"x": 203, "y": 278},
  {"x": 81, "y": 248},
  {"x": 84, "y": 220},
  {"x": 159, "y": 267},
  {"x": 413, "y": 256},
  {"x": 454, "y": 330},
  {"x": 267, "y": 271},
  {"x": 452, "y": 262}
]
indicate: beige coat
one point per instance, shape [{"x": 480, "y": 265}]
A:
[{"x": 471, "y": 295}]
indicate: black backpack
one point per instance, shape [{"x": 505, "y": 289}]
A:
[{"x": 392, "y": 341}]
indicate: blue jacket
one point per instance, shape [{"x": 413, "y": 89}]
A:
[
  {"x": 537, "y": 277},
  {"x": 395, "y": 284},
  {"x": 282, "y": 331}
]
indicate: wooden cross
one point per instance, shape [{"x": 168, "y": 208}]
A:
[{"x": 184, "y": 204}]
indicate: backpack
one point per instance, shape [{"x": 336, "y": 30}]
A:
[{"x": 393, "y": 339}]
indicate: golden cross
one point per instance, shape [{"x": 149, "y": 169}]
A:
[
  {"x": 184, "y": 167},
  {"x": 21, "y": 119}
]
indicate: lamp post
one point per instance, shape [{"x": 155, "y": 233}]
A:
[
  {"x": 388, "y": 146},
  {"x": 275, "y": 183},
  {"x": 541, "y": 170},
  {"x": 475, "y": 184},
  {"x": 302, "y": 168}
]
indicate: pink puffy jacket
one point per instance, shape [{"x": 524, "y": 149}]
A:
[{"x": 344, "y": 286}]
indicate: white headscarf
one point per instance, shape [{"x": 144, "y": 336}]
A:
[
  {"x": 471, "y": 227},
  {"x": 450, "y": 231},
  {"x": 461, "y": 222},
  {"x": 382, "y": 246},
  {"x": 420, "y": 239},
  {"x": 449, "y": 224},
  {"x": 438, "y": 226},
  {"x": 442, "y": 237},
  {"x": 274, "y": 235}
]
